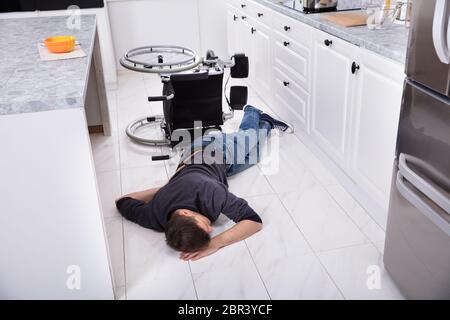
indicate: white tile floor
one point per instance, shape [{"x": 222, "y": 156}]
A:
[{"x": 317, "y": 241}]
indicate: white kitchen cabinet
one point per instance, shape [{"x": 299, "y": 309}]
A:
[
  {"x": 249, "y": 34},
  {"x": 261, "y": 59},
  {"x": 291, "y": 101},
  {"x": 295, "y": 57},
  {"x": 291, "y": 45},
  {"x": 245, "y": 40},
  {"x": 344, "y": 101},
  {"x": 232, "y": 30},
  {"x": 376, "y": 112},
  {"x": 332, "y": 87}
]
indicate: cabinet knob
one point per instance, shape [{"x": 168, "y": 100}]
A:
[
  {"x": 253, "y": 30},
  {"x": 286, "y": 43},
  {"x": 260, "y": 14},
  {"x": 235, "y": 17},
  {"x": 328, "y": 42},
  {"x": 287, "y": 28},
  {"x": 286, "y": 83},
  {"x": 243, "y": 6},
  {"x": 244, "y": 17},
  {"x": 355, "y": 67}
]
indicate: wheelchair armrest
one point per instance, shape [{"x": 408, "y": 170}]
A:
[{"x": 161, "y": 98}]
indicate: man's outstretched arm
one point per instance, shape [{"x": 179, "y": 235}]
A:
[
  {"x": 240, "y": 231},
  {"x": 146, "y": 195}
]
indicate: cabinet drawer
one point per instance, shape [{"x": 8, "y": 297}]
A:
[
  {"x": 294, "y": 58},
  {"x": 260, "y": 13},
  {"x": 291, "y": 100},
  {"x": 334, "y": 44},
  {"x": 288, "y": 27}
]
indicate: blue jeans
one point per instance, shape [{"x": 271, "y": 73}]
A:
[{"x": 241, "y": 149}]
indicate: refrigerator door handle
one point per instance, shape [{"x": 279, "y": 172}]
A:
[
  {"x": 448, "y": 38},
  {"x": 421, "y": 205},
  {"x": 421, "y": 184},
  {"x": 439, "y": 31}
]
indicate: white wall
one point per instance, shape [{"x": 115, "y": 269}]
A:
[
  {"x": 213, "y": 26},
  {"x": 196, "y": 24}
]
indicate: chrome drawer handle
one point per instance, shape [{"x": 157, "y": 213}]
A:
[
  {"x": 427, "y": 188},
  {"x": 416, "y": 200}
]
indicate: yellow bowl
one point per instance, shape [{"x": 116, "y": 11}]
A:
[{"x": 60, "y": 44}]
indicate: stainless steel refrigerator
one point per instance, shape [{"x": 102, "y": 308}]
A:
[{"x": 417, "y": 251}]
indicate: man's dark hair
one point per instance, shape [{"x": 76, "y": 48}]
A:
[{"x": 183, "y": 234}]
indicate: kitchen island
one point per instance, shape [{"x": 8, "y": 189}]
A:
[{"x": 52, "y": 240}]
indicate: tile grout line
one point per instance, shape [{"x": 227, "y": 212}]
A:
[
  {"x": 257, "y": 270},
  {"x": 309, "y": 244},
  {"x": 313, "y": 251},
  {"x": 121, "y": 168},
  {"x": 298, "y": 228},
  {"x": 115, "y": 131},
  {"x": 354, "y": 222},
  {"x": 193, "y": 281},
  {"x": 326, "y": 186},
  {"x": 344, "y": 247},
  {"x": 121, "y": 193}
]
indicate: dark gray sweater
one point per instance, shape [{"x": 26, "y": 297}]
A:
[{"x": 201, "y": 188}]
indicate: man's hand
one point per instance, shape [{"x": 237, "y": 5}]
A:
[
  {"x": 193, "y": 256},
  {"x": 238, "y": 232}
]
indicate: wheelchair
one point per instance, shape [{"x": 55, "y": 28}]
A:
[{"x": 192, "y": 93}]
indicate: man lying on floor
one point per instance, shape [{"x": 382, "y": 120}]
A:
[{"x": 198, "y": 192}]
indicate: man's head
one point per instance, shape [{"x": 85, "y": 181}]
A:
[{"x": 188, "y": 231}]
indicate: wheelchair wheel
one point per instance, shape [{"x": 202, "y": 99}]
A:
[
  {"x": 144, "y": 131},
  {"x": 160, "y": 59}
]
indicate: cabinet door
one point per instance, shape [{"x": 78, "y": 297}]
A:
[
  {"x": 245, "y": 43},
  {"x": 260, "y": 71},
  {"x": 375, "y": 123},
  {"x": 333, "y": 84},
  {"x": 232, "y": 29},
  {"x": 291, "y": 101}
]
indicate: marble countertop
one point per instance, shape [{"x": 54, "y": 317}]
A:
[
  {"x": 28, "y": 84},
  {"x": 390, "y": 43}
]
